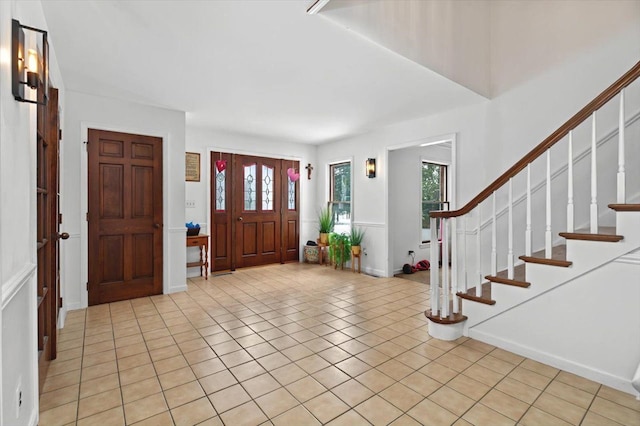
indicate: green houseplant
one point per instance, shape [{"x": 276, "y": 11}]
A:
[
  {"x": 357, "y": 234},
  {"x": 325, "y": 224},
  {"x": 339, "y": 249}
]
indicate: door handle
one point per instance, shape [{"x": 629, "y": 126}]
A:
[
  {"x": 239, "y": 218},
  {"x": 63, "y": 236},
  {"x": 157, "y": 225}
]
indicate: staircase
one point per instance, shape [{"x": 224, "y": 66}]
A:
[{"x": 574, "y": 302}]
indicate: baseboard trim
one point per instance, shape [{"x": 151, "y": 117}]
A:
[
  {"x": 177, "y": 289},
  {"x": 619, "y": 383}
]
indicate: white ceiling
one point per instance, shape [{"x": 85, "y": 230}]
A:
[{"x": 261, "y": 67}]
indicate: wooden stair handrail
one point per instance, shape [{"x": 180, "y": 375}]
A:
[{"x": 555, "y": 137}]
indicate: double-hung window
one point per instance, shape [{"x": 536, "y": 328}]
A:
[
  {"x": 340, "y": 196},
  {"x": 434, "y": 194}
]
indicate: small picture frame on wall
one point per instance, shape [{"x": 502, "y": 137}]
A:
[{"x": 192, "y": 167}]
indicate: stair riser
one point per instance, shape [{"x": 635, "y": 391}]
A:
[
  {"x": 583, "y": 253},
  {"x": 628, "y": 225}
]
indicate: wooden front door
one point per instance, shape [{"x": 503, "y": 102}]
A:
[
  {"x": 125, "y": 216},
  {"x": 255, "y": 211},
  {"x": 48, "y": 219}
]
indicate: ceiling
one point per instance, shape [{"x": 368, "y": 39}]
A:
[{"x": 263, "y": 68}]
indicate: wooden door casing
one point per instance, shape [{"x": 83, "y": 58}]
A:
[
  {"x": 241, "y": 237},
  {"x": 47, "y": 230},
  {"x": 125, "y": 216}
]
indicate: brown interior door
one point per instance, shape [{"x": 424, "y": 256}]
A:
[
  {"x": 257, "y": 210},
  {"x": 47, "y": 247},
  {"x": 125, "y": 216}
]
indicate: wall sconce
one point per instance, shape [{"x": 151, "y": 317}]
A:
[
  {"x": 28, "y": 67},
  {"x": 370, "y": 167}
]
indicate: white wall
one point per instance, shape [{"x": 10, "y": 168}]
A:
[
  {"x": 204, "y": 141},
  {"x": 588, "y": 336},
  {"x": 88, "y": 111},
  {"x": 18, "y": 335},
  {"x": 495, "y": 134}
]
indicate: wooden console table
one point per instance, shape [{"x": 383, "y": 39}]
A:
[{"x": 201, "y": 241}]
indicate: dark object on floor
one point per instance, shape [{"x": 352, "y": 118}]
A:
[
  {"x": 408, "y": 269},
  {"x": 423, "y": 265}
]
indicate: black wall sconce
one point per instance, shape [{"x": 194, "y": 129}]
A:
[
  {"x": 29, "y": 65},
  {"x": 371, "y": 167}
]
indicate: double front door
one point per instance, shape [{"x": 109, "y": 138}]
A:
[{"x": 255, "y": 211}]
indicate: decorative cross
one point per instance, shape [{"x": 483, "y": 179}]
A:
[{"x": 309, "y": 168}]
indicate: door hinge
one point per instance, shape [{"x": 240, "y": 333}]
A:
[
  {"x": 60, "y": 304},
  {"x": 60, "y": 134},
  {"x": 59, "y": 218},
  {"x": 86, "y": 217},
  {"x": 86, "y": 145},
  {"x": 87, "y": 286}
]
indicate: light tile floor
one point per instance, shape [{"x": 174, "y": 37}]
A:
[{"x": 301, "y": 344}]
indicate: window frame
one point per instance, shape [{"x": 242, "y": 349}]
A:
[
  {"x": 445, "y": 170},
  {"x": 342, "y": 227}
]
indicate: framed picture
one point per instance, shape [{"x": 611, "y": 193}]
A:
[{"x": 192, "y": 167}]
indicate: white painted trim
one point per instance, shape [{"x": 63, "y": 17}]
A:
[
  {"x": 370, "y": 224},
  {"x": 453, "y": 203},
  {"x": 84, "y": 199},
  {"x": 564, "y": 364},
  {"x": 15, "y": 283}
]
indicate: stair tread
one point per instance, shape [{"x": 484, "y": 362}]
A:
[
  {"x": 605, "y": 233},
  {"x": 558, "y": 257},
  {"x": 625, "y": 207},
  {"x": 519, "y": 273},
  {"x": 451, "y": 319},
  {"x": 485, "y": 297}
]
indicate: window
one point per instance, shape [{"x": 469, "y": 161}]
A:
[
  {"x": 434, "y": 194},
  {"x": 340, "y": 196}
]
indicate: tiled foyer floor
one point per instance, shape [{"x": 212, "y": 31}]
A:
[{"x": 297, "y": 345}]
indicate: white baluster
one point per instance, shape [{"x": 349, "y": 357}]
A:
[
  {"x": 494, "y": 250},
  {"x": 454, "y": 265},
  {"x": 465, "y": 284},
  {"x": 478, "y": 257},
  {"x": 547, "y": 232},
  {"x": 527, "y": 232},
  {"x": 594, "y": 179},
  {"x": 621, "y": 179},
  {"x": 510, "y": 236},
  {"x": 445, "y": 268},
  {"x": 570, "y": 215},
  {"x": 435, "y": 275}
]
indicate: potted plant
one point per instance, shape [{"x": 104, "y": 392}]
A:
[
  {"x": 357, "y": 234},
  {"x": 325, "y": 222},
  {"x": 340, "y": 249}
]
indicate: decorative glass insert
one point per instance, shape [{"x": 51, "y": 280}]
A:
[
  {"x": 250, "y": 187},
  {"x": 291, "y": 204},
  {"x": 221, "y": 178},
  {"x": 267, "y": 188}
]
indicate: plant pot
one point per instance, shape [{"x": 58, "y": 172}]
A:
[
  {"x": 324, "y": 238},
  {"x": 355, "y": 250}
]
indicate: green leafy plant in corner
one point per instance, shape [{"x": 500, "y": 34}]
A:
[
  {"x": 339, "y": 248},
  {"x": 357, "y": 235},
  {"x": 325, "y": 221}
]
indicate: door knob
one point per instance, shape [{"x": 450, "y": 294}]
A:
[
  {"x": 63, "y": 236},
  {"x": 240, "y": 219},
  {"x": 157, "y": 225}
]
